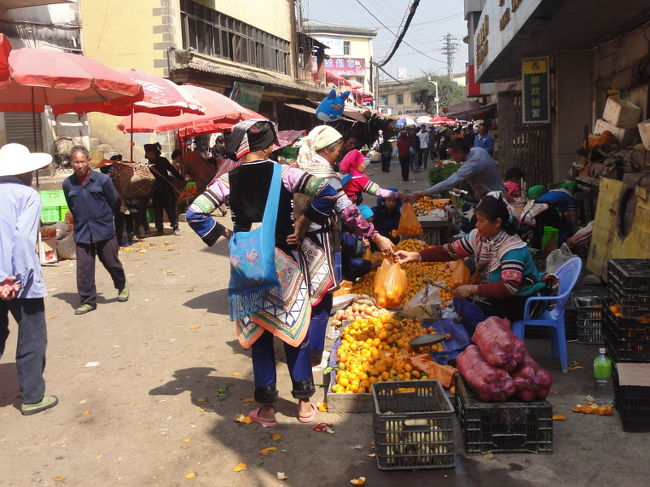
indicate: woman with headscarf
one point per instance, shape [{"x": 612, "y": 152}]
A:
[
  {"x": 507, "y": 274},
  {"x": 318, "y": 154},
  {"x": 262, "y": 312},
  {"x": 356, "y": 183},
  {"x": 164, "y": 191}
]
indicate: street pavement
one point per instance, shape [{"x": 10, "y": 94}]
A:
[{"x": 148, "y": 390}]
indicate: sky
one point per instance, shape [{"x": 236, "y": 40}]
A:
[{"x": 433, "y": 19}]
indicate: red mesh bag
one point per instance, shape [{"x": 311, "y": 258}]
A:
[
  {"x": 489, "y": 383},
  {"x": 532, "y": 382},
  {"x": 500, "y": 347}
]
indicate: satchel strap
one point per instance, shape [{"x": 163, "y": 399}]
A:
[{"x": 270, "y": 216}]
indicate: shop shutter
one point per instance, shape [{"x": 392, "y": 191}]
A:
[{"x": 20, "y": 129}]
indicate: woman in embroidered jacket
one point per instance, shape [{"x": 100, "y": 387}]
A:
[
  {"x": 318, "y": 153},
  {"x": 283, "y": 311},
  {"x": 507, "y": 273}
]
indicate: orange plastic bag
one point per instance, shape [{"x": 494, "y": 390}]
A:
[
  {"x": 368, "y": 255},
  {"x": 408, "y": 222},
  {"x": 460, "y": 274},
  {"x": 390, "y": 285},
  {"x": 424, "y": 363}
]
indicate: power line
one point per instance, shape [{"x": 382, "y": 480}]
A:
[{"x": 389, "y": 30}]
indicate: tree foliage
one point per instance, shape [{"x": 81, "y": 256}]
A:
[{"x": 449, "y": 93}]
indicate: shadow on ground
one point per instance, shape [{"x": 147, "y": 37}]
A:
[{"x": 10, "y": 391}]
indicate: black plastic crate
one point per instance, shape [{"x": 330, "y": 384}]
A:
[
  {"x": 571, "y": 323},
  {"x": 626, "y": 339},
  {"x": 628, "y": 281},
  {"x": 413, "y": 425},
  {"x": 589, "y": 319},
  {"x": 631, "y": 397},
  {"x": 505, "y": 427}
]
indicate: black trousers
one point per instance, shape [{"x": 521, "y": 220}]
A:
[
  {"x": 107, "y": 253},
  {"x": 123, "y": 227},
  {"x": 31, "y": 344},
  {"x": 385, "y": 163},
  {"x": 164, "y": 199},
  {"x": 404, "y": 162}
]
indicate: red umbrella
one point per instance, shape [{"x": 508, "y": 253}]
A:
[
  {"x": 66, "y": 82},
  {"x": 161, "y": 97},
  {"x": 5, "y": 48},
  {"x": 440, "y": 120},
  {"x": 220, "y": 113}
]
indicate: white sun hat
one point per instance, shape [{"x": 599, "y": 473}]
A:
[{"x": 16, "y": 159}]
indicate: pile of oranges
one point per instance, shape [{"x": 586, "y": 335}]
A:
[
  {"x": 416, "y": 272},
  {"x": 425, "y": 205},
  {"x": 375, "y": 349}
]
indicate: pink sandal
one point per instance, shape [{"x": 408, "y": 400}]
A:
[
  {"x": 310, "y": 418},
  {"x": 254, "y": 415}
]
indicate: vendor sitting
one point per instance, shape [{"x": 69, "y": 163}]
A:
[
  {"x": 507, "y": 273},
  {"x": 387, "y": 214},
  {"x": 353, "y": 248}
]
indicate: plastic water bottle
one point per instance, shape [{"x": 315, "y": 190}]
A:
[{"x": 603, "y": 392}]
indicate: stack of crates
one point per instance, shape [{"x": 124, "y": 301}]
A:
[
  {"x": 627, "y": 334},
  {"x": 53, "y": 206},
  {"x": 590, "y": 314}
]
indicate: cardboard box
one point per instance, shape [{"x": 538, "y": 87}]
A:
[
  {"x": 47, "y": 251},
  {"x": 625, "y": 137},
  {"x": 644, "y": 130},
  {"x": 621, "y": 113}
]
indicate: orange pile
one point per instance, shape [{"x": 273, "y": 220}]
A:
[
  {"x": 425, "y": 205},
  {"x": 376, "y": 349},
  {"x": 416, "y": 273}
]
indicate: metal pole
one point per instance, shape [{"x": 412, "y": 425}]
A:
[
  {"x": 437, "y": 99},
  {"x": 34, "y": 130},
  {"x": 131, "y": 143}
]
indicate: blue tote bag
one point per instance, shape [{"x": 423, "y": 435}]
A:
[{"x": 252, "y": 258}]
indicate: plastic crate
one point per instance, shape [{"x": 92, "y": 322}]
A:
[
  {"x": 626, "y": 339},
  {"x": 633, "y": 406},
  {"x": 589, "y": 318},
  {"x": 505, "y": 427},
  {"x": 149, "y": 215},
  {"x": 62, "y": 211},
  {"x": 413, "y": 425},
  {"x": 571, "y": 323},
  {"x": 52, "y": 198},
  {"x": 50, "y": 214},
  {"x": 628, "y": 281}
]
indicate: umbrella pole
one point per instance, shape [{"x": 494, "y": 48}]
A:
[
  {"x": 34, "y": 130},
  {"x": 131, "y": 144}
]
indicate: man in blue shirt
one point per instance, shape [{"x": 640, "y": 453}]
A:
[
  {"x": 21, "y": 283},
  {"x": 484, "y": 140},
  {"x": 477, "y": 169},
  {"x": 92, "y": 198}
]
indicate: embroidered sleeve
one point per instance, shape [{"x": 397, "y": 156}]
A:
[
  {"x": 460, "y": 248},
  {"x": 352, "y": 217},
  {"x": 324, "y": 196},
  {"x": 439, "y": 253},
  {"x": 512, "y": 271},
  {"x": 199, "y": 214}
]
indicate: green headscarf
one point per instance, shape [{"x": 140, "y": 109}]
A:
[{"x": 535, "y": 192}]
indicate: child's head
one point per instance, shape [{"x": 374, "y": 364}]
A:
[
  {"x": 366, "y": 212},
  {"x": 390, "y": 203},
  {"x": 514, "y": 174}
]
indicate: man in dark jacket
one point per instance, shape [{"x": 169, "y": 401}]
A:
[{"x": 92, "y": 198}]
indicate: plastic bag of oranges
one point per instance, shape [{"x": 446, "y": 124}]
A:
[
  {"x": 460, "y": 274},
  {"x": 391, "y": 285},
  {"x": 408, "y": 222}
]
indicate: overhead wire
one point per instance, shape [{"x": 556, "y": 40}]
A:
[{"x": 402, "y": 41}]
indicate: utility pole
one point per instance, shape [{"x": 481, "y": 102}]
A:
[
  {"x": 449, "y": 49},
  {"x": 437, "y": 98}
]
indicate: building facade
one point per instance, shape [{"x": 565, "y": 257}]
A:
[
  {"x": 349, "y": 49},
  {"x": 399, "y": 98},
  {"x": 517, "y": 44}
]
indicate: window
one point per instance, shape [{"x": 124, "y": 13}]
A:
[
  {"x": 384, "y": 100},
  {"x": 215, "y": 34},
  {"x": 400, "y": 99},
  {"x": 414, "y": 98},
  {"x": 346, "y": 48}
]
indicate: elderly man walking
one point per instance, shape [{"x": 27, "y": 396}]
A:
[
  {"x": 92, "y": 198},
  {"x": 21, "y": 283}
]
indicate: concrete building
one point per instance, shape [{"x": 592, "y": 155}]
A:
[
  {"x": 249, "y": 47},
  {"x": 578, "y": 49},
  {"x": 399, "y": 98},
  {"x": 349, "y": 49}
]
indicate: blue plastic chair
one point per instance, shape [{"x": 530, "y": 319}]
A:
[{"x": 567, "y": 276}]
